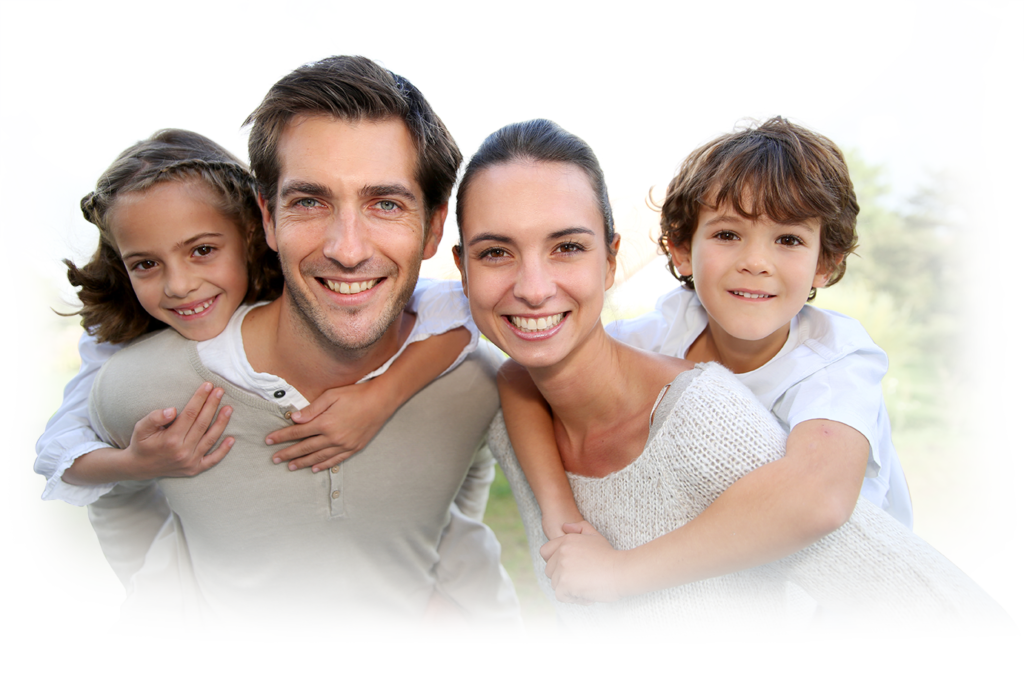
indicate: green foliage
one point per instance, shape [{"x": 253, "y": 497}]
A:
[
  {"x": 942, "y": 258},
  {"x": 34, "y": 295}
]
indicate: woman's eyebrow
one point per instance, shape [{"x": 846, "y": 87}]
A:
[
  {"x": 571, "y": 231},
  {"x": 490, "y": 237}
]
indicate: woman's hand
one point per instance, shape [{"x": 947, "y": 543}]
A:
[
  {"x": 166, "y": 444},
  {"x": 338, "y": 424},
  {"x": 582, "y": 565}
]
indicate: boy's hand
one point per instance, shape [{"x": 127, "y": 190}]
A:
[
  {"x": 165, "y": 444},
  {"x": 442, "y": 624},
  {"x": 335, "y": 426},
  {"x": 582, "y": 565}
]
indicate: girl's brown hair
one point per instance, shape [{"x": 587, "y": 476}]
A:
[
  {"x": 110, "y": 310},
  {"x": 777, "y": 169}
]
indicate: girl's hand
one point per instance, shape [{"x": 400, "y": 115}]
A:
[
  {"x": 582, "y": 565},
  {"x": 333, "y": 427},
  {"x": 165, "y": 444}
]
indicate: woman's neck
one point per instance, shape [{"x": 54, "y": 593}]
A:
[{"x": 601, "y": 396}]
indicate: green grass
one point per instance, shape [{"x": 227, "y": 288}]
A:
[{"x": 962, "y": 485}]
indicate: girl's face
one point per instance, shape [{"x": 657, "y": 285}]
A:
[
  {"x": 534, "y": 262},
  {"x": 186, "y": 260}
]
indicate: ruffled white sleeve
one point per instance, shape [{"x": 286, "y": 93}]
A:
[
  {"x": 441, "y": 306},
  {"x": 69, "y": 434}
]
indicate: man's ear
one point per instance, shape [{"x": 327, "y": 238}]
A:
[
  {"x": 682, "y": 259},
  {"x": 268, "y": 221},
  {"x": 435, "y": 231},
  {"x": 613, "y": 250},
  {"x": 457, "y": 255},
  {"x": 825, "y": 270}
]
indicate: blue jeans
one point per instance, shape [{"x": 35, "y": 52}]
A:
[{"x": 827, "y": 626}]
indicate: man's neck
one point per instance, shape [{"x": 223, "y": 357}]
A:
[{"x": 278, "y": 342}]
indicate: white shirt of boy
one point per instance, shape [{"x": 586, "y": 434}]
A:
[{"x": 828, "y": 369}]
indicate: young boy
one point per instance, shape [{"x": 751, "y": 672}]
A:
[{"x": 753, "y": 223}]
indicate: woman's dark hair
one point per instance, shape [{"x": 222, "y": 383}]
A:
[{"x": 537, "y": 140}]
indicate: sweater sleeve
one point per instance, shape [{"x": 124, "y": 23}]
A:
[{"x": 872, "y": 569}]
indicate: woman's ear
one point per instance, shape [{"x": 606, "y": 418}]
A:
[
  {"x": 457, "y": 255},
  {"x": 682, "y": 259},
  {"x": 613, "y": 250}
]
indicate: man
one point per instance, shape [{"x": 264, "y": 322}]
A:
[{"x": 355, "y": 171}]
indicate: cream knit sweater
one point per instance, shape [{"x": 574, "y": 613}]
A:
[{"x": 709, "y": 431}]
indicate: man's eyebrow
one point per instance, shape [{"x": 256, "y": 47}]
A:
[
  {"x": 305, "y": 187},
  {"x": 395, "y": 190}
]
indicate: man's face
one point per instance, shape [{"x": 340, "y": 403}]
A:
[{"x": 349, "y": 225}]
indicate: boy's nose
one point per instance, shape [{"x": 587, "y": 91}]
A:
[{"x": 755, "y": 260}]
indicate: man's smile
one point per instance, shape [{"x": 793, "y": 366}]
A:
[{"x": 349, "y": 287}]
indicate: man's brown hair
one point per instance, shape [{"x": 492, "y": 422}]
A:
[{"x": 353, "y": 89}]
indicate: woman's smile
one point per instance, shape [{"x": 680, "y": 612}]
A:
[{"x": 535, "y": 259}]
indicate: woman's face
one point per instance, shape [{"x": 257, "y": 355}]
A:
[{"x": 534, "y": 262}]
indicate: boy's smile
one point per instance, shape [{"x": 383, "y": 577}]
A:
[{"x": 752, "y": 277}]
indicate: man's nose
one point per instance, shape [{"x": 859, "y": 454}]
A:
[
  {"x": 534, "y": 282},
  {"x": 347, "y": 240}
]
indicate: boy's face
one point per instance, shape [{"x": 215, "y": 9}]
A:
[{"x": 751, "y": 276}]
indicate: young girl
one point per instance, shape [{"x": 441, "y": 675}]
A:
[{"x": 182, "y": 245}]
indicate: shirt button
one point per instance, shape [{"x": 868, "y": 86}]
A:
[
  {"x": 335, "y": 493},
  {"x": 288, "y": 415},
  {"x": 279, "y": 393},
  {"x": 336, "y": 469}
]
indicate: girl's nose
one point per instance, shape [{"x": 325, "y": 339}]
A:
[{"x": 180, "y": 281}]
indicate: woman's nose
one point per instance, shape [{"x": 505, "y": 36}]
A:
[{"x": 534, "y": 284}]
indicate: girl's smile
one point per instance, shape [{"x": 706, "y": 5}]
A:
[{"x": 186, "y": 260}]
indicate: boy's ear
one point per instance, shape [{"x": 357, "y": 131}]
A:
[
  {"x": 268, "y": 221},
  {"x": 681, "y": 258},
  {"x": 825, "y": 270}
]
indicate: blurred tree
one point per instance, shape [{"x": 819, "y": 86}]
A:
[
  {"x": 942, "y": 258},
  {"x": 34, "y": 295},
  {"x": 957, "y": 210}
]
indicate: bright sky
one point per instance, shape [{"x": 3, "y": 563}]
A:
[{"x": 643, "y": 82}]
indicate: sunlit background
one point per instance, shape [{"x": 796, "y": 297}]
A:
[{"x": 925, "y": 98}]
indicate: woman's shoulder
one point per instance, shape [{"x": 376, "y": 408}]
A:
[{"x": 708, "y": 391}]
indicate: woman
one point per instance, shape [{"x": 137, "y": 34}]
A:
[{"x": 649, "y": 441}]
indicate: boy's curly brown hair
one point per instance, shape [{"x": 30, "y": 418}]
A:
[{"x": 776, "y": 169}]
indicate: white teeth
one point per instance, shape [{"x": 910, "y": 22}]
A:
[
  {"x": 536, "y": 324},
  {"x": 350, "y": 287},
  {"x": 748, "y": 295},
  {"x": 198, "y": 309}
]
